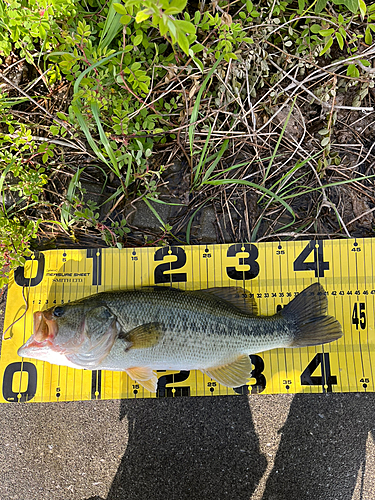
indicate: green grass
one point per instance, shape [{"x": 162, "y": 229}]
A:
[{"x": 145, "y": 83}]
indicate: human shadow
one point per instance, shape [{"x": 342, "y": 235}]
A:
[
  {"x": 323, "y": 447},
  {"x": 184, "y": 448}
]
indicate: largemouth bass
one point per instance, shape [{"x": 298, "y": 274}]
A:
[{"x": 159, "y": 328}]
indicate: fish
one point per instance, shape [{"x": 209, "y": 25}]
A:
[{"x": 213, "y": 330}]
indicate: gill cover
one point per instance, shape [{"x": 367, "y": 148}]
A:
[{"x": 72, "y": 335}]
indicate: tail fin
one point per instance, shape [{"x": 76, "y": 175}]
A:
[{"x": 308, "y": 312}]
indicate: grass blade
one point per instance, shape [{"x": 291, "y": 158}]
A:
[
  {"x": 194, "y": 113},
  {"x": 112, "y": 26},
  {"x": 255, "y": 186}
]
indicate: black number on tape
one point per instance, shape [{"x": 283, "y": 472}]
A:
[
  {"x": 96, "y": 384},
  {"x": 318, "y": 265},
  {"x": 25, "y": 368},
  {"x": 326, "y": 380},
  {"x": 257, "y": 373},
  {"x": 170, "y": 392},
  {"x": 251, "y": 273},
  {"x": 19, "y": 273},
  {"x": 359, "y": 315},
  {"x": 96, "y": 255},
  {"x": 159, "y": 275}
]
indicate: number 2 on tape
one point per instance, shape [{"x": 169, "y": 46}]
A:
[{"x": 159, "y": 275}]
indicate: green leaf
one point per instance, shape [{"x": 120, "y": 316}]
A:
[
  {"x": 178, "y": 4},
  {"x": 197, "y": 48},
  {"x": 362, "y": 8},
  {"x": 315, "y": 28},
  {"x": 372, "y": 27},
  {"x": 326, "y": 32},
  {"x": 138, "y": 39},
  {"x": 142, "y": 15},
  {"x": 125, "y": 19},
  {"x": 365, "y": 62},
  {"x": 163, "y": 27},
  {"x": 340, "y": 40},
  {"x": 172, "y": 27},
  {"x": 352, "y": 71},
  {"x": 54, "y": 130},
  {"x": 352, "y": 5},
  {"x": 42, "y": 31},
  {"x": 172, "y": 10},
  {"x": 326, "y": 47},
  {"x": 325, "y": 141},
  {"x": 119, "y": 8},
  {"x": 198, "y": 63},
  {"x": 136, "y": 65},
  {"x": 301, "y": 6},
  {"x": 342, "y": 32},
  {"x": 249, "y": 6},
  {"x": 183, "y": 42},
  {"x": 320, "y": 6},
  {"x": 186, "y": 27}
]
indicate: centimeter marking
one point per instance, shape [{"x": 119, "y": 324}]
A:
[{"x": 274, "y": 273}]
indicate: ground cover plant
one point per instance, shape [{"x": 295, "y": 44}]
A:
[{"x": 267, "y": 109}]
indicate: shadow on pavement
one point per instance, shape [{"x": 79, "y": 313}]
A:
[
  {"x": 181, "y": 449},
  {"x": 323, "y": 447}
]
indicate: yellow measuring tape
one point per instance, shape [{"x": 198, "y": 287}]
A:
[{"x": 273, "y": 272}]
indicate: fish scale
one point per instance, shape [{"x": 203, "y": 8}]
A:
[{"x": 157, "y": 328}]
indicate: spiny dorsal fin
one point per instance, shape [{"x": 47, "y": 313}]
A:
[
  {"x": 237, "y": 296},
  {"x": 232, "y": 374},
  {"x": 143, "y": 336}
]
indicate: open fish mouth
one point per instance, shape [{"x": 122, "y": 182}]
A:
[
  {"x": 44, "y": 326},
  {"x": 45, "y": 330}
]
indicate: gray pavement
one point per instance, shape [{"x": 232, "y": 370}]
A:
[{"x": 214, "y": 448}]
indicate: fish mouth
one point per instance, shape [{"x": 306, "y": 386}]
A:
[
  {"x": 44, "y": 326},
  {"x": 45, "y": 330}
]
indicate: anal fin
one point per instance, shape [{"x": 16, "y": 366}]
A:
[
  {"x": 145, "y": 376},
  {"x": 232, "y": 374}
]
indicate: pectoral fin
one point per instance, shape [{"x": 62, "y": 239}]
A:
[
  {"x": 144, "y": 376},
  {"x": 232, "y": 374},
  {"x": 143, "y": 336}
]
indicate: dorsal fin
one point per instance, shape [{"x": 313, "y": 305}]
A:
[{"x": 237, "y": 296}]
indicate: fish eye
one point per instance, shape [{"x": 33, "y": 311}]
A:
[{"x": 58, "y": 311}]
